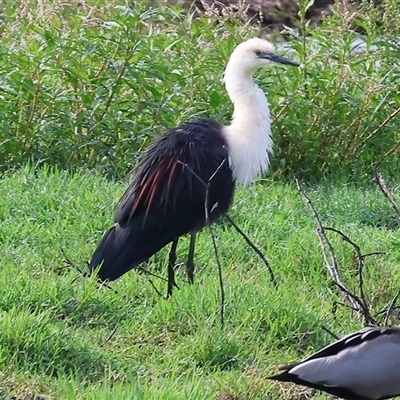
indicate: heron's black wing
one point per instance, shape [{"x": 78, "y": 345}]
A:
[
  {"x": 166, "y": 198},
  {"x": 179, "y": 164}
]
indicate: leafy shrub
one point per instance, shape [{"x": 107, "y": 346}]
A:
[
  {"x": 91, "y": 86},
  {"x": 339, "y": 110}
]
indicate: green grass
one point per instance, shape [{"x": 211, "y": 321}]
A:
[{"x": 53, "y": 322}]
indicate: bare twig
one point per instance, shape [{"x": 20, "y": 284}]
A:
[
  {"x": 157, "y": 291},
  {"x": 390, "y": 308},
  {"x": 113, "y": 89},
  {"x": 361, "y": 258},
  {"x": 110, "y": 336},
  {"x": 382, "y": 124},
  {"x": 357, "y": 304},
  {"x": 324, "y": 328},
  {"x": 384, "y": 309},
  {"x": 256, "y": 249},
  {"x": 374, "y": 253},
  {"x": 332, "y": 266},
  {"x": 71, "y": 264},
  {"x": 339, "y": 303},
  {"x": 147, "y": 272},
  {"x": 67, "y": 260},
  {"x": 208, "y": 224},
  {"x": 378, "y": 179}
]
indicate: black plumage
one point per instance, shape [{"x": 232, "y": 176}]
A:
[{"x": 166, "y": 199}]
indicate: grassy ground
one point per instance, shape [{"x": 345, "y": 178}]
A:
[{"x": 53, "y": 323}]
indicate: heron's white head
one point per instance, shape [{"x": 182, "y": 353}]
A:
[
  {"x": 253, "y": 54},
  {"x": 249, "y": 134}
]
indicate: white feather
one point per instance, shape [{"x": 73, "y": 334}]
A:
[
  {"x": 371, "y": 369},
  {"x": 249, "y": 134}
]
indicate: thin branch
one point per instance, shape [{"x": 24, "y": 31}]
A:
[
  {"x": 216, "y": 171},
  {"x": 208, "y": 224},
  {"x": 374, "y": 253},
  {"x": 120, "y": 74},
  {"x": 193, "y": 173},
  {"x": 384, "y": 309},
  {"x": 256, "y": 249},
  {"x": 110, "y": 336},
  {"x": 360, "y": 306},
  {"x": 157, "y": 291},
  {"x": 361, "y": 259},
  {"x": 324, "y": 328},
  {"x": 332, "y": 266},
  {"x": 71, "y": 264},
  {"x": 382, "y": 124},
  {"x": 339, "y": 303},
  {"x": 147, "y": 272},
  {"x": 378, "y": 179},
  {"x": 390, "y": 308}
]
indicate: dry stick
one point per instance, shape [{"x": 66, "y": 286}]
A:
[
  {"x": 112, "y": 93},
  {"x": 110, "y": 336},
  {"x": 84, "y": 274},
  {"x": 378, "y": 179},
  {"x": 374, "y": 253},
  {"x": 256, "y": 249},
  {"x": 207, "y": 186},
  {"x": 145, "y": 271},
  {"x": 324, "y": 328},
  {"x": 390, "y": 308},
  {"x": 139, "y": 268},
  {"x": 332, "y": 266},
  {"x": 361, "y": 258},
  {"x": 220, "y": 277},
  {"x": 384, "y": 309},
  {"x": 375, "y": 131},
  {"x": 156, "y": 290},
  {"x": 71, "y": 264},
  {"x": 384, "y": 123}
]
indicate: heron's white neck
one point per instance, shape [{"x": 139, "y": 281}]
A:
[{"x": 249, "y": 134}]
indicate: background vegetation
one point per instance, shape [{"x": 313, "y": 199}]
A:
[{"x": 91, "y": 83}]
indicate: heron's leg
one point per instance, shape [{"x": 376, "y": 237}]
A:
[
  {"x": 190, "y": 263},
  {"x": 171, "y": 265}
]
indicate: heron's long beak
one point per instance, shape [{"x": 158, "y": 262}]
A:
[{"x": 281, "y": 60}]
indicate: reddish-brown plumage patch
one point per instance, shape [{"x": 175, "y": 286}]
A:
[{"x": 159, "y": 183}]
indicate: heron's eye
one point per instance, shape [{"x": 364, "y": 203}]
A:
[{"x": 258, "y": 53}]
